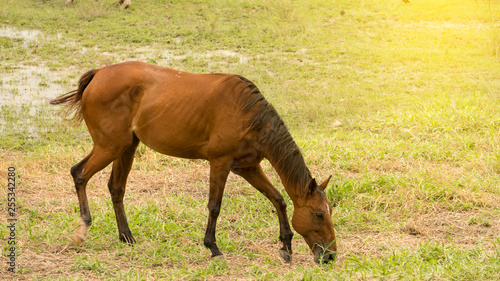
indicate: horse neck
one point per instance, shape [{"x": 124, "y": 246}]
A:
[{"x": 286, "y": 158}]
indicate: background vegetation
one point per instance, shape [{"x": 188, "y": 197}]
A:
[{"x": 399, "y": 102}]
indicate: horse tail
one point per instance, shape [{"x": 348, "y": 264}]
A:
[{"x": 73, "y": 99}]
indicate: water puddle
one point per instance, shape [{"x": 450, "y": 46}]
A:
[
  {"x": 209, "y": 54},
  {"x": 165, "y": 58},
  {"x": 28, "y": 35},
  {"x": 25, "y": 90},
  {"x": 28, "y": 85},
  {"x": 24, "y": 95}
]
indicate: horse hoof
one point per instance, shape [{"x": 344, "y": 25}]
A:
[
  {"x": 218, "y": 257},
  {"x": 78, "y": 239},
  {"x": 129, "y": 239},
  {"x": 286, "y": 256}
]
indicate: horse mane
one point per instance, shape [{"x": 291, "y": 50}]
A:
[{"x": 275, "y": 141}]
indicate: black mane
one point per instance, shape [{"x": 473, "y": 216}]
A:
[{"x": 275, "y": 141}]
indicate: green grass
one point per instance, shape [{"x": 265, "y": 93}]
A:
[{"x": 398, "y": 102}]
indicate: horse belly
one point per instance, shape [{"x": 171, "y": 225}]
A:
[{"x": 170, "y": 132}]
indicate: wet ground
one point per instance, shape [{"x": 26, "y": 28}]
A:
[{"x": 22, "y": 84}]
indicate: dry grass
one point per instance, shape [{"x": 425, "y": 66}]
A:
[{"x": 476, "y": 227}]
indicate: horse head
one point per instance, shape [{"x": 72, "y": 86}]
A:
[{"x": 312, "y": 219}]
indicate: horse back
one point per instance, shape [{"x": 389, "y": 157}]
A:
[{"x": 174, "y": 112}]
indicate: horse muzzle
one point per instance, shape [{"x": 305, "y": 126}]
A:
[{"x": 323, "y": 255}]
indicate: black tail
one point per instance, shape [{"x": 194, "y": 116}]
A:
[{"x": 73, "y": 99}]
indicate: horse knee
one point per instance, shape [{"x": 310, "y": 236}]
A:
[
  {"x": 281, "y": 204},
  {"x": 287, "y": 236}
]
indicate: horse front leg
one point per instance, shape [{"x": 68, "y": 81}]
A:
[
  {"x": 219, "y": 170},
  {"x": 258, "y": 179}
]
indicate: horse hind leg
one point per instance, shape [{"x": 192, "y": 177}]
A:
[
  {"x": 97, "y": 160},
  {"x": 116, "y": 185},
  {"x": 219, "y": 170},
  {"x": 80, "y": 185}
]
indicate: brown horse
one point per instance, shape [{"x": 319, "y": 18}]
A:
[
  {"x": 126, "y": 3},
  {"x": 222, "y": 118}
]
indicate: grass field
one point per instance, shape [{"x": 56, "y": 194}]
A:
[{"x": 399, "y": 102}]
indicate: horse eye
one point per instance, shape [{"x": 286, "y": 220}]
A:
[{"x": 319, "y": 215}]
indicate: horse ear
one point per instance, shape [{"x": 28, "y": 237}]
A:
[
  {"x": 312, "y": 186},
  {"x": 324, "y": 185}
]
